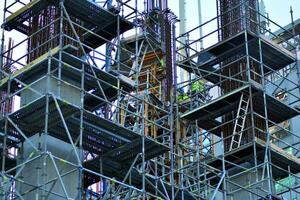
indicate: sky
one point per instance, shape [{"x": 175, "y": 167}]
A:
[{"x": 278, "y": 10}]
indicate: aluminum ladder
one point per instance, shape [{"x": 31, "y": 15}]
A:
[{"x": 240, "y": 120}]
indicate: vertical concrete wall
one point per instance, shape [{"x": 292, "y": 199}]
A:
[
  {"x": 67, "y": 92},
  {"x": 33, "y": 172},
  {"x": 42, "y": 170}
]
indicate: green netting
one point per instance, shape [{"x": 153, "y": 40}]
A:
[{"x": 285, "y": 183}]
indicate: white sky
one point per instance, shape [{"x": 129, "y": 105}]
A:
[{"x": 277, "y": 9}]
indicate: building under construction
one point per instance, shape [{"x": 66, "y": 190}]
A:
[{"x": 92, "y": 107}]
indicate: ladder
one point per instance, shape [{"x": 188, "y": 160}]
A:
[{"x": 240, "y": 120}]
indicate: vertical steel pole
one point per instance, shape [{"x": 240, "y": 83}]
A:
[
  {"x": 5, "y": 114},
  {"x": 298, "y": 65},
  {"x": 61, "y": 45},
  {"x": 143, "y": 149},
  {"x": 108, "y": 46},
  {"x": 81, "y": 153},
  {"x": 224, "y": 169},
  {"x": 45, "y": 135},
  {"x": 267, "y": 158},
  {"x": 118, "y": 109},
  {"x": 171, "y": 121},
  {"x": 198, "y": 156},
  {"x": 137, "y": 115},
  {"x": 4, "y": 153},
  {"x": 200, "y": 24},
  {"x": 2, "y": 39},
  {"x": 253, "y": 135}
]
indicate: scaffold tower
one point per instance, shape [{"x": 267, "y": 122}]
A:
[
  {"x": 230, "y": 149},
  {"x": 93, "y": 105},
  {"x": 87, "y": 118}
]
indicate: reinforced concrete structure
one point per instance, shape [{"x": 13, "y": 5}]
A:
[{"x": 91, "y": 107}]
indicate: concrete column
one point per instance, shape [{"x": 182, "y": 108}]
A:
[{"x": 33, "y": 171}]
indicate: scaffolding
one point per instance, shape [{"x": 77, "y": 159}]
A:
[
  {"x": 230, "y": 144},
  {"x": 87, "y": 116},
  {"x": 102, "y": 116}
]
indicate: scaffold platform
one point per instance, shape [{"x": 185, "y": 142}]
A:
[
  {"x": 103, "y": 22},
  {"x": 71, "y": 70},
  {"x": 273, "y": 56},
  {"x": 282, "y": 161},
  {"x": 100, "y": 135},
  {"x": 277, "y": 111}
]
